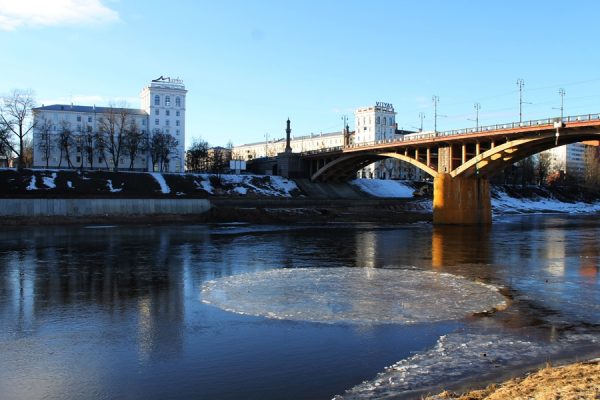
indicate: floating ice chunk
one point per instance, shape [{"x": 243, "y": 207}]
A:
[{"x": 352, "y": 295}]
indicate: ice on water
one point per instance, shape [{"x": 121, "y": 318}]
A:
[
  {"x": 352, "y": 295},
  {"x": 456, "y": 357}
]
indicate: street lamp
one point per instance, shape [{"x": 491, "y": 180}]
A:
[
  {"x": 477, "y": 107},
  {"x": 561, "y": 93},
  {"x": 435, "y": 100},
  {"x": 520, "y": 84},
  {"x": 421, "y": 117}
]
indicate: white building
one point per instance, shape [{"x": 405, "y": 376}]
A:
[
  {"x": 569, "y": 160},
  {"x": 373, "y": 124},
  {"x": 66, "y": 136}
]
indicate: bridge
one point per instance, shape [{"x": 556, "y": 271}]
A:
[{"x": 459, "y": 161}]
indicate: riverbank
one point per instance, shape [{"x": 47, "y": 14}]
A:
[{"x": 574, "y": 381}]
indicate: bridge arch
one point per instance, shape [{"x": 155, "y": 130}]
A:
[
  {"x": 499, "y": 157},
  {"x": 346, "y": 166}
]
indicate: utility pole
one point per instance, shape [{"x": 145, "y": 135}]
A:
[
  {"x": 520, "y": 84},
  {"x": 477, "y": 107},
  {"x": 435, "y": 100},
  {"x": 421, "y": 117},
  {"x": 561, "y": 92}
]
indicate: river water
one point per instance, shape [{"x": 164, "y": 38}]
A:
[{"x": 301, "y": 312}]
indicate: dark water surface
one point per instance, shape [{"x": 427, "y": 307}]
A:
[{"x": 116, "y": 312}]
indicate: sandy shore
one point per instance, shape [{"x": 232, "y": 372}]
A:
[{"x": 573, "y": 381}]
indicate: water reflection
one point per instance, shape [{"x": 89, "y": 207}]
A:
[{"x": 116, "y": 312}]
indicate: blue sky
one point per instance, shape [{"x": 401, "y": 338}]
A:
[{"x": 249, "y": 65}]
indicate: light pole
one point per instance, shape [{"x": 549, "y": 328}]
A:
[
  {"x": 266, "y": 145},
  {"x": 435, "y": 100},
  {"x": 421, "y": 117},
  {"x": 520, "y": 84},
  {"x": 561, "y": 92},
  {"x": 477, "y": 107}
]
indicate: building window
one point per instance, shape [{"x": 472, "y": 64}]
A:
[
  {"x": 157, "y": 100},
  {"x": 89, "y": 119},
  {"x": 156, "y": 121},
  {"x": 168, "y": 101},
  {"x": 168, "y": 113},
  {"x": 156, "y": 112},
  {"x": 177, "y": 123},
  {"x": 177, "y": 132},
  {"x": 167, "y": 131},
  {"x": 384, "y": 120},
  {"x": 99, "y": 159},
  {"x": 78, "y": 160},
  {"x": 167, "y": 122},
  {"x": 177, "y": 113},
  {"x": 377, "y": 120},
  {"x": 177, "y": 102},
  {"x": 144, "y": 122},
  {"x": 79, "y": 118}
]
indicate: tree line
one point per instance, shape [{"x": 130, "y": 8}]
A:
[{"x": 201, "y": 157}]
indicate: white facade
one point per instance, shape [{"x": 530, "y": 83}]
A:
[
  {"x": 372, "y": 124},
  {"x": 299, "y": 144},
  {"x": 569, "y": 159},
  {"x": 163, "y": 110}
]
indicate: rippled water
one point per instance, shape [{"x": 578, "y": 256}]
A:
[{"x": 119, "y": 312}]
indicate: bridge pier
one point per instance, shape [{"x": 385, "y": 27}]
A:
[{"x": 461, "y": 200}]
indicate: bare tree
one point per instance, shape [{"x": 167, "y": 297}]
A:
[
  {"x": 592, "y": 166},
  {"x": 27, "y": 152},
  {"x": 134, "y": 142},
  {"x": 101, "y": 145},
  {"x": 66, "y": 142},
  {"x": 197, "y": 156},
  {"x": 113, "y": 124},
  {"x": 16, "y": 122},
  {"x": 162, "y": 146},
  {"x": 543, "y": 165},
  {"x": 44, "y": 141}
]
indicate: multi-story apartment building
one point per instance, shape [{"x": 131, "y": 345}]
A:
[
  {"x": 72, "y": 136},
  {"x": 568, "y": 160}
]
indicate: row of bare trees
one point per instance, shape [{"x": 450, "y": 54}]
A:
[
  {"x": 200, "y": 157},
  {"x": 116, "y": 135}
]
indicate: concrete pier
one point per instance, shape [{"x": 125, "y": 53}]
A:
[{"x": 461, "y": 201}]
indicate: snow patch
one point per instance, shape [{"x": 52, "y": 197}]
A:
[
  {"x": 110, "y": 186},
  {"x": 164, "y": 188},
  {"x": 70, "y": 184},
  {"x": 502, "y": 203},
  {"x": 32, "y": 185},
  {"x": 49, "y": 181},
  {"x": 384, "y": 188}
]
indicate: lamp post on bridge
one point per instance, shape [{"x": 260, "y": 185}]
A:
[
  {"x": 477, "y": 107},
  {"x": 435, "y": 100},
  {"x": 421, "y": 117},
  {"x": 520, "y": 84},
  {"x": 561, "y": 93}
]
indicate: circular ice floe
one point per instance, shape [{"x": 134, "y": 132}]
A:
[{"x": 352, "y": 295}]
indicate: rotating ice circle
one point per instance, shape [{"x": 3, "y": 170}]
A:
[{"x": 352, "y": 295}]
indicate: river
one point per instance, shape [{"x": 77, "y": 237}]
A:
[{"x": 301, "y": 312}]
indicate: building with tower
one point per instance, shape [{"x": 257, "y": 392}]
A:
[{"x": 149, "y": 138}]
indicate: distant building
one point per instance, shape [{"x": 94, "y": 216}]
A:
[
  {"x": 373, "y": 124},
  {"x": 162, "y": 111},
  {"x": 568, "y": 160}
]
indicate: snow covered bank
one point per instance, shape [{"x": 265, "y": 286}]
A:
[
  {"x": 384, "y": 188},
  {"x": 259, "y": 185},
  {"x": 503, "y": 203}
]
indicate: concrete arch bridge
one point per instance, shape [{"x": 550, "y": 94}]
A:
[{"x": 460, "y": 161}]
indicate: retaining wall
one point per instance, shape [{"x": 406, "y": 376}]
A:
[{"x": 95, "y": 207}]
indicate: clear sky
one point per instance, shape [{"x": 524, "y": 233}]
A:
[{"x": 249, "y": 65}]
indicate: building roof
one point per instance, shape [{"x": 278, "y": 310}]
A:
[
  {"x": 88, "y": 109},
  {"x": 293, "y": 138}
]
